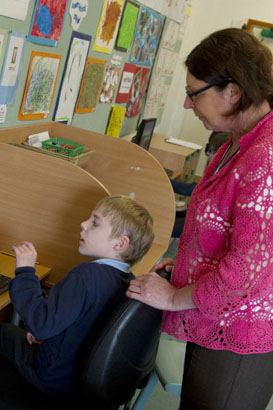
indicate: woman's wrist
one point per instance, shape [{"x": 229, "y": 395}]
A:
[{"x": 182, "y": 299}]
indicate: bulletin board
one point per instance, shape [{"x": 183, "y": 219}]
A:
[{"x": 90, "y": 20}]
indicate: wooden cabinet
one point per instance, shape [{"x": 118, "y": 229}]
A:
[{"x": 181, "y": 160}]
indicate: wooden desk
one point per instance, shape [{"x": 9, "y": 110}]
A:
[
  {"x": 44, "y": 199},
  {"x": 7, "y": 267}
]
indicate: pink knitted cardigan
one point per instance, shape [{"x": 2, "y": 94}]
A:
[{"x": 226, "y": 249}]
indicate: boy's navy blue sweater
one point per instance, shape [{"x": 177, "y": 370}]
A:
[{"x": 64, "y": 318}]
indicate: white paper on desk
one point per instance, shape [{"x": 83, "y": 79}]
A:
[
  {"x": 16, "y": 9},
  {"x": 12, "y": 62},
  {"x": 36, "y": 139},
  {"x": 182, "y": 143}
]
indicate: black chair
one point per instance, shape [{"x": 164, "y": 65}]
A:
[{"x": 118, "y": 360}]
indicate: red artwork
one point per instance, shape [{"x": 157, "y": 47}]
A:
[
  {"x": 48, "y": 19},
  {"x": 137, "y": 92}
]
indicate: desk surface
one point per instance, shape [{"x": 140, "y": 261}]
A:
[{"x": 7, "y": 267}]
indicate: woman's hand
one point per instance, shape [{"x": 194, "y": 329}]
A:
[
  {"x": 152, "y": 290},
  {"x": 166, "y": 264},
  {"x": 26, "y": 254}
]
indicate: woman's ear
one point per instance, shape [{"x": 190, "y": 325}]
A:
[
  {"x": 122, "y": 243},
  {"x": 233, "y": 93}
]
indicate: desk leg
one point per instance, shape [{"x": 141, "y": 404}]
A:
[{"x": 15, "y": 318}]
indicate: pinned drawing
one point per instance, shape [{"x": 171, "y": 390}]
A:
[
  {"x": 147, "y": 37},
  {"x": 47, "y": 22},
  {"x": 72, "y": 77},
  {"x": 13, "y": 56},
  {"x": 115, "y": 121},
  {"x": 40, "y": 86},
  {"x": 78, "y": 10},
  {"x": 110, "y": 84},
  {"x": 108, "y": 26},
  {"x": 4, "y": 34},
  {"x": 127, "y": 26},
  {"x": 138, "y": 92},
  {"x": 91, "y": 85}
]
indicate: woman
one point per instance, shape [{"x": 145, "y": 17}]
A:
[{"x": 221, "y": 294}]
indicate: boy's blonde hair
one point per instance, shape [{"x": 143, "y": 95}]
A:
[{"x": 127, "y": 217}]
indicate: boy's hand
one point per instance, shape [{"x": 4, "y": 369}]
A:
[
  {"x": 26, "y": 254},
  {"x": 32, "y": 340}
]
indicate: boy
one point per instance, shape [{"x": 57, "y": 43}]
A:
[{"x": 118, "y": 234}]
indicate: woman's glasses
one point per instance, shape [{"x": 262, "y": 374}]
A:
[{"x": 192, "y": 94}]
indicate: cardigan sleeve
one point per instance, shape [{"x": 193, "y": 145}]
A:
[{"x": 245, "y": 274}]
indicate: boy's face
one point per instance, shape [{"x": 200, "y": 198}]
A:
[{"x": 95, "y": 237}]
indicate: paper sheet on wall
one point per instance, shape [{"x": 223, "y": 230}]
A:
[
  {"x": 4, "y": 34},
  {"x": 47, "y": 22},
  {"x": 127, "y": 26},
  {"x": 110, "y": 84},
  {"x": 11, "y": 67},
  {"x": 16, "y": 9},
  {"x": 170, "y": 35},
  {"x": 40, "y": 85},
  {"x": 13, "y": 59},
  {"x": 91, "y": 85},
  {"x": 115, "y": 121},
  {"x": 72, "y": 77},
  {"x": 108, "y": 26},
  {"x": 3, "y": 112},
  {"x": 78, "y": 10},
  {"x": 147, "y": 37}
]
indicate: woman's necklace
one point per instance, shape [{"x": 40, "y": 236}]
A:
[{"x": 226, "y": 158}]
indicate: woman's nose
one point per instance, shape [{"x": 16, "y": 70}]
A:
[{"x": 188, "y": 103}]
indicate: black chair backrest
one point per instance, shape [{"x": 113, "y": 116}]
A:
[{"x": 122, "y": 353}]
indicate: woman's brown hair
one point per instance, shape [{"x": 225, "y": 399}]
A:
[{"x": 237, "y": 54}]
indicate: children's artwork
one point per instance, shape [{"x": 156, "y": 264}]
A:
[
  {"x": 91, "y": 85},
  {"x": 177, "y": 9},
  {"x": 78, "y": 10},
  {"x": 170, "y": 35},
  {"x": 137, "y": 92},
  {"x": 72, "y": 76},
  {"x": 147, "y": 36},
  {"x": 40, "y": 86},
  {"x": 108, "y": 26},
  {"x": 127, "y": 26},
  {"x": 47, "y": 21},
  {"x": 110, "y": 84},
  {"x": 125, "y": 83},
  {"x": 16, "y": 9},
  {"x": 4, "y": 34},
  {"x": 115, "y": 121},
  {"x": 11, "y": 67}
]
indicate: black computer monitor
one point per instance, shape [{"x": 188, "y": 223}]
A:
[{"x": 144, "y": 133}]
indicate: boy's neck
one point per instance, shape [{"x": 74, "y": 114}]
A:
[{"x": 119, "y": 264}]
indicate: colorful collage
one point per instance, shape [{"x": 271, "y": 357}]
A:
[{"x": 101, "y": 73}]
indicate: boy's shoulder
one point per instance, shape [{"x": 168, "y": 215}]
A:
[{"x": 92, "y": 270}]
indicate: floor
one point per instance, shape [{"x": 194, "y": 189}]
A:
[{"x": 160, "y": 400}]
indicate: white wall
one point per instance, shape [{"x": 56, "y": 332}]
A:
[{"x": 206, "y": 17}]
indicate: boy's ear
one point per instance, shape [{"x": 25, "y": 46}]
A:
[{"x": 122, "y": 243}]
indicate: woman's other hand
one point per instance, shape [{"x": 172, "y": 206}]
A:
[
  {"x": 166, "y": 264},
  {"x": 26, "y": 254}
]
